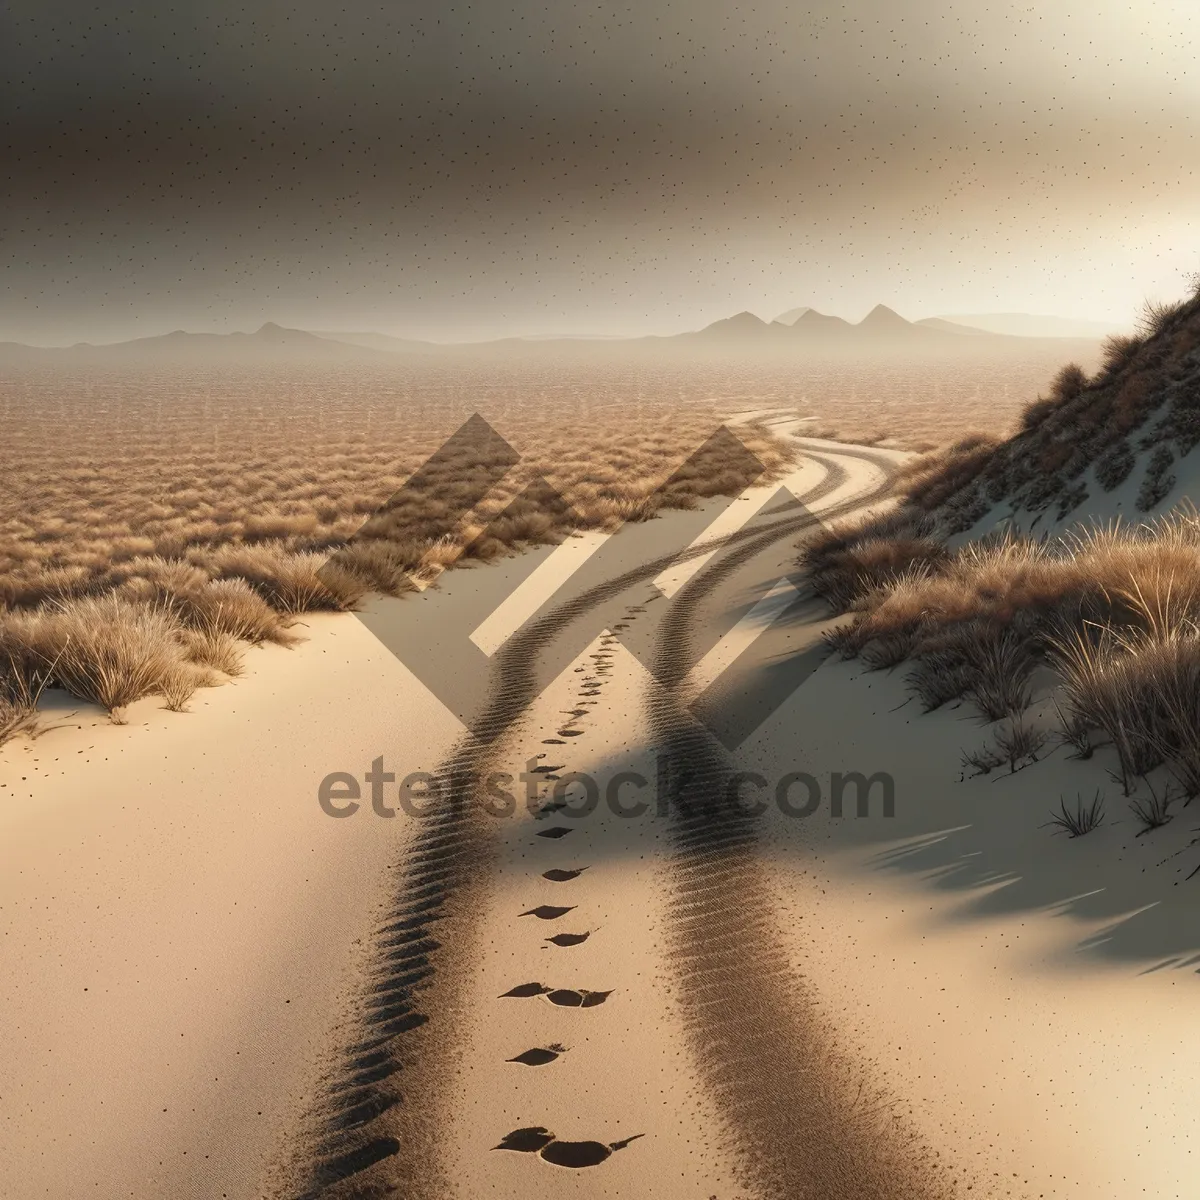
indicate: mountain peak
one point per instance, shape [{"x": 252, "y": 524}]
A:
[
  {"x": 883, "y": 317},
  {"x": 743, "y": 322},
  {"x": 792, "y": 315},
  {"x": 811, "y": 319}
]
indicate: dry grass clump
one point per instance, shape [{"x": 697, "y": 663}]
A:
[
  {"x": 1119, "y": 350},
  {"x": 848, "y": 560},
  {"x": 1018, "y": 743},
  {"x": 16, "y": 717},
  {"x": 1139, "y": 681},
  {"x": 928, "y": 482},
  {"x": 1115, "y": 611},
  {"x": 109, "y": 650},
  {"x": 1159, "y": 316},
  {"x": 19, "y": 689},
  {"x": 1080, "y": 818},
  {"x": 289, "y": 582},
  {"x": 212, "y": 648},
  {"x": 1152, "y": 812},
  {"x": 105, "y": 649}
]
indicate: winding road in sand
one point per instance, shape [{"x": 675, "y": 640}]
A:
[
  {"x": 208, "y": 995},
  {"x": 574, "y": 998}
]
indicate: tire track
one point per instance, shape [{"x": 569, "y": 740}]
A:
[
  {"x": 375, "y": 1132},
  {"x": 805, "y": 1120}
]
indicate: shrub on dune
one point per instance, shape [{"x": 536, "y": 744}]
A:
[
  {"x": 1036, "y": 411},
  {"x": 1139, "y": 681},
  {"x": 288, "y": 581},
  {"x": 1114, "y": 468},
  {"x": 931, "y": 480},
  {"x": 104, "y": 649},
  {"x": 1114, "y": 610},
  {"x": 1158, "y": 316},
  {"x": 212, "y": 648},
  {"x": 20, "y": 683},
  {"x": 1069, "y": 382},
  {"x": 1119, "y": 350},
  {"x": 16, "y": 716}
]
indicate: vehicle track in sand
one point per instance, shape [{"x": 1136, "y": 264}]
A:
[
  {"x": 793, "y": 1106},
  {"x": 806, "y": 1120}
]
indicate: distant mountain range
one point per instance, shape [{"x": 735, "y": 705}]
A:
[
  {"x": 1010, "y": 324},
  {"x": 881, "y": 326},
  {"x": 271, "y": 345},
  {"x": 803, "y": 329}
]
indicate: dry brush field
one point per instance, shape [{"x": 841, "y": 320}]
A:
[
  {"x": 153, "y": 523},
  {"x": 149, "y": 525}
]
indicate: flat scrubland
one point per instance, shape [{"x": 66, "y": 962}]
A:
[
  {"x": 1106, "y": 615},
  {"x": 911, "y": 396},
  {"x": 150, "y": 526},
  {"x": 154, "y": 521}
]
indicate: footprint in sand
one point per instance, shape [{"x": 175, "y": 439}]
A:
[
  {"x": 548, "y": 912},
  {"x": 539, "y": 1056},
  {"x": 537, "y": 1139},
  {"x": 558, "y": 875},
  {"x": 569, "y": 939},
  {"x": 563, "y": 997}
]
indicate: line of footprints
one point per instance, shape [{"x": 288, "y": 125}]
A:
[{"x": 537, "y": 1139}]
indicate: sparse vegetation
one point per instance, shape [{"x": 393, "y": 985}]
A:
[
  {"x": 136, "y": 556},
  {"x": 1152, "y": 812},
  {"x": 1018, "y": 743},
  {"x": 981, "y": 762},
  {"x": 1147, "y": 393},
  {"x": 1113, "y": 610},
  {"x": 1114, "y": 467},
  {"x": 1157, "y": 482},
  {"x": 1081, "y": 818}
]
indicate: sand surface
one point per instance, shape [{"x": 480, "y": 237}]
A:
[
  {"x": 178, "y": 918},
  {"x": 212, "y": 988}
]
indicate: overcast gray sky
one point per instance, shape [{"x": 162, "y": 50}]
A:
[{"x": 455, "y": 170}]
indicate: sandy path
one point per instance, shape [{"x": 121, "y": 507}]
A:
[
  {"x": 427, "y": 1068},
  {"x": 620, "y": 1069}
]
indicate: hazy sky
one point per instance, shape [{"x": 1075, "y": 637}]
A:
[{"x": 455, "y": 170}]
